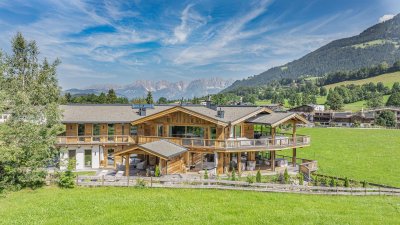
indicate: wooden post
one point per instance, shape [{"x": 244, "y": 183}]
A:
[
  {"x": 239, "y": 163},
  {"x": 273, "y": 160},
  {"x": 127, "y": 165},
  {"x": 220, "y": 166},
  {"x": 294, "y": 157},
  {"x": 273, "y": 130}
]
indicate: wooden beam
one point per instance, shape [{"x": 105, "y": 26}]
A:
[
  {"x": 239, "y": 162},
  {"x": 127, "y": 165},
  {"x": 273, "y": 160},
  {"x": 294, "y": 157}
]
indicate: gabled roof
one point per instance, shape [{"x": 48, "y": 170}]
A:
[
  {"x": 276, "y": 119},
  {"x": 118, "y": 113},
  {"x": 163, "y": 149},
  {"x": 112, "y": 113}
]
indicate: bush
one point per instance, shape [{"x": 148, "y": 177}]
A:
[
  {"x": 206, "y": 174},
  {"x": 301, "y": 179},
  {"x": 346, "y": 182},
  {"x": 332, "y": 182},
  {"x": 258, "y": 177},
  {"x": 233, "y": 176},
  {"x": 365, "y": 184},
  {"x": 67, "y": 178},
  {"x": 157, "y": 171},
  {"x": 140, "y": 183},
  {"x": 316, "y": 181},
  {"x": 250, "y": 179},
  {"x": 286, "y": 176}
]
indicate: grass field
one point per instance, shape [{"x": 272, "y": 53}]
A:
[
  {"x": 180, "y": 206},
  {"x": 362, "y": 154},
  {"x": 387, "y": 79}
]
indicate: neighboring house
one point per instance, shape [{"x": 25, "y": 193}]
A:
[
  {"x": 177, "y": 138},
  {"x": 308, "y": 111}
]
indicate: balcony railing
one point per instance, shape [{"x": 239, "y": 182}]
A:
[
  {"x": 100, "y": 139},
  {"x": 279, "y": 142},
  {"x": 232, "y": 144}
]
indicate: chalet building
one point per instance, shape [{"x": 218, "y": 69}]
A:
[
  {"x": 177, "y": 138},
  {"x": 308, "y": 111}
]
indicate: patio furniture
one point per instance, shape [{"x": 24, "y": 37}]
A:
[
  {"x": 281, "y": 162},
  {"x": 141, "y": 165},
  {"x": 251, "y": 165}
]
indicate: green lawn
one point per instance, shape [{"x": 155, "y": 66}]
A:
[
  {"x": 370, "y": 154},
  {"x": 181, "y": 206}
]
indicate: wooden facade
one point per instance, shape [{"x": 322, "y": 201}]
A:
[{"x": 216, "y": 140}]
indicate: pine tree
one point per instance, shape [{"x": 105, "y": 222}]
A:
[
  {"x": 206, "y": 174},
  {"x": 233, "y": 177},
  {"x": 258, "y": 177},
  {"x": 111, "y": 96},
  {"x": 149, "y": 98},
  {"x": 286, "y": 176}
]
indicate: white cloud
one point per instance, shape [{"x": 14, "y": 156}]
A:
[
  {"x": 386, "y": 18},
  {"x": 190, "y": 20}
]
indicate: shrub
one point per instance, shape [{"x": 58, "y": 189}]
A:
[
  {"x": 140, "y": 183},
  {"x": 332, "y": 182},
  {"x": 67, "y": 178},
  {"x": 233, "y": 176},
  {"x": 286, "y": 176},
  {"x": 258, "y": 177},
  {"x": 206, "y": 174},
  {"x": 250, "y": 179},
  {"x": 316, "y": 181},
  {"x": 301, "y": 179},
  {"x": 157, "y": 171},
  {"x": 365, "y": 184},
  {"x": 346, "y": 182}
]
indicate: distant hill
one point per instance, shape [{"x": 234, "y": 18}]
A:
[
  {"x": 169, "y": 90},
  {"x": 377, "y": 44}
]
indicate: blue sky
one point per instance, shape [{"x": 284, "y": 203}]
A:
[{"x": 121, "y": 41}]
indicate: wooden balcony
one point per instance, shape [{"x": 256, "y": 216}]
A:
[
  {"x": 101, "y": 139},
  {"x": 238, "y": 144},
  {"x": 262, "y": 144}
]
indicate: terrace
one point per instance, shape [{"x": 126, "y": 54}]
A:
[{"x": 279, "y": 142}]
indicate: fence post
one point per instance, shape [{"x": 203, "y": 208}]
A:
[
  {"x": 127, "y": 180},
  {"x": 151, "y": 181},
  {"x": 77, "y": 179},
  {"x": 102, "y": 180},
  {"x": 379, "y": 190}
]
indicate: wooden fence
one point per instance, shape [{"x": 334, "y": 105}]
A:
[{"x": 163, "y": 182}]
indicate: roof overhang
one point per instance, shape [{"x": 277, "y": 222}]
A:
[
  {"x": 178, "y": 109},
  {"x": 262, "y": 110},
  {"x": 280, "y": 119}
]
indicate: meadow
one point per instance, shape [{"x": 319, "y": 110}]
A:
[
  {"x": 182, "y": 206},
  {"x": 387, "y": 79},
  {"x": 362, "y": 154}
]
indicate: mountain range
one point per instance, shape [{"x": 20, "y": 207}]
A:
[
  {"x": 169, "y": 90},
  {"x": 377, "y": 44}
]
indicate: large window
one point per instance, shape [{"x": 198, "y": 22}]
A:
[
  {"x": 238, "y": 131},
  {"x": 213, "y": 133},
  {"x": 133, "y": 130},
  {"x": 81, "y": 129},
  {"x": 88, "y": 157},
  {"x": 160, "y": 130},
  {"x": 186, "y": 131},
  {"x": 111, "y": 132},
  {"x": 96, "y": 132}
]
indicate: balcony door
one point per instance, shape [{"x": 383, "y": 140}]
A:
[
  {"x": 96, "y": 132},
  {"x": 81, "y": 132}
]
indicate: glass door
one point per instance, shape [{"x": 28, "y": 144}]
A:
[
  {"x": 88, "y": 158},
  {"x": 110, "y": 157}
]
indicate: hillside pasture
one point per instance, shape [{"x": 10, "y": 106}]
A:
[{"x": 387, "y": 79}]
